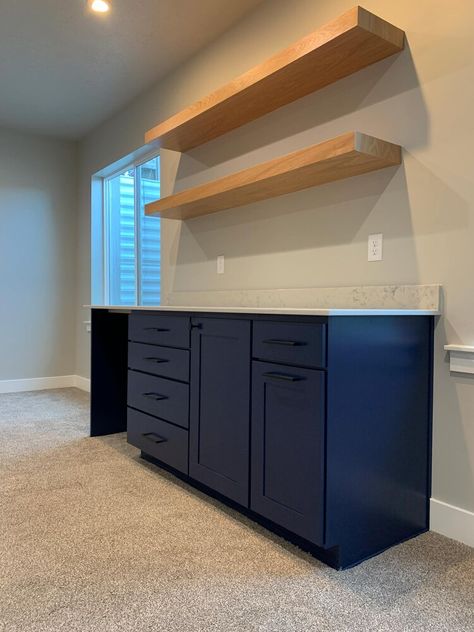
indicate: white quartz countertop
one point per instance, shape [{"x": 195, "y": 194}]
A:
[{"x": 290, "y": 311}]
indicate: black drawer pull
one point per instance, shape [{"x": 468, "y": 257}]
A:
[
  {"x": 284, "y": 376},
  {"x": 157, "y": 360},
  {"x": 156, "y": 329},
  {"x": 284, "y": 343},
  {"x": 152, "y": 436},
  {"x": 156, "y": 396}
]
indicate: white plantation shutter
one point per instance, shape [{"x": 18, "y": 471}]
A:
[
  {"x": 133, "y": 253},
  {"x": 150, "y": 248}
]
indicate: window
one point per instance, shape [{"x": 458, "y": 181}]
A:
[{"x": 131, "y": 240}]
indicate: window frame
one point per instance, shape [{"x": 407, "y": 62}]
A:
[{"x": 105, "y": 221}]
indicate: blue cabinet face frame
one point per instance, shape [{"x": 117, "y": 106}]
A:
[{"x": 317, "y": 428}]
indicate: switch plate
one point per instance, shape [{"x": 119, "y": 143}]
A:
[
  {"x": 375, "y": 247},
  {"x": 220, "y": 264}
]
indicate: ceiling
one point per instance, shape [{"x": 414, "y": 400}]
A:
[{"x": 64, "y": 70}]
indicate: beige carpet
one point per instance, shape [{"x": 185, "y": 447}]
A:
[{"x": 94, "y": 539}]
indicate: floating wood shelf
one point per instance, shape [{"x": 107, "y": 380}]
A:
[
  {"x": 353, "y": 41},
  {"x": 348, "y": 155}
]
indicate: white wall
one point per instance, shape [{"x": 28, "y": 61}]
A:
[
  {"x": 421, "y": 99},
  {"x": 37, "y": 262}
]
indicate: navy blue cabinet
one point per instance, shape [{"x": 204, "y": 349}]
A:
[
  {"x": 319, "y": 428},
  {"x": 288, "y": 458},
  {"x": 220, "y": 406}
]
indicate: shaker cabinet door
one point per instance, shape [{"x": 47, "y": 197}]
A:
[
  {"x": 220, "y": 411},
  {"x": 288, "y": 416}
]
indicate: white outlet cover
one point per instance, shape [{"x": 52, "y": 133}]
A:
[
  {"x": 375, "y": 247},
  {"x": 220, "y": 264}
]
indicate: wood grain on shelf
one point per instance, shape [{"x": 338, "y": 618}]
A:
[
  {"x": 353, "y": 41},
  {"x": 348, "y": 155}
]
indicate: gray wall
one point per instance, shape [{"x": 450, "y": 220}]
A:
[
  {"x": 421, "y": 99},
  {"x": 37, "y": 256}
]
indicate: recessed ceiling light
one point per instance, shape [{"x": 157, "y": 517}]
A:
[{"x": 99, "y": 6}]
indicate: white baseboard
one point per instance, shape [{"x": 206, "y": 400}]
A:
[
  {"x": 44, "y": 383},
  {"x": 83, "y": 383},
  {"x": 451, "y": 521}
]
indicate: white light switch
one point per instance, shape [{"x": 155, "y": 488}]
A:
[
  {"x": 375, "y": 247},
  {"x": 220, "y": 264}
]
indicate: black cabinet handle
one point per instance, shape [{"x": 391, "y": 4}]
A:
[
  {"x": 284, "y": 376},
  {"x": 156, "y": 329},
  {"x": 196, "y": 325},
  {"x": 157, "y": 360},
  {"x": 155, "y": 396},
  {"x": 284, "y": 343},
  {"x": 152, "y": 436}
]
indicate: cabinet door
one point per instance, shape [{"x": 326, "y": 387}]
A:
[
  {"x": 220, "y": 410},
  {"x": 288, "y": 418}
]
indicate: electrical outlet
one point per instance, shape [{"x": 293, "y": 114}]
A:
[
  {"x": 220, "y": 264},
  {"x": 375, "y": 247}
]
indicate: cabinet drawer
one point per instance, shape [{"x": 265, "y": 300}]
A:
[
  {"x": 160, "y": 397},
  {"x": 159, "y": 329},
  {"x": 158, "y": 439},
  {"x": 163, "y": 361},
  {"x": 301, "y": 344}
]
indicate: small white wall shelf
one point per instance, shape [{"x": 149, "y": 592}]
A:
[{"x": 461, "y": 358}]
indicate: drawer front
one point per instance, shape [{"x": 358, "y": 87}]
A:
[
  {"x": 158, "y": 439},
  {"x": 160, "y": 397},
  {"x": 159, "y": 329},
  {"x": 300, "y": 344},
  {"x": 163, "y": 361}
]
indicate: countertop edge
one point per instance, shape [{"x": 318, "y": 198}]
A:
[{"x": 290, "y": 311}]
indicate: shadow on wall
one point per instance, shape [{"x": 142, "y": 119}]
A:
[
  {"x": 333, "y": 214},
  {"x": 385, "y": 100},
  {"x": 437, "y": 207},
  {"x": 297, "y": 221},
  {"x": 411, "y": 199},
  {"x": 453, "y": 403},
  {"x": 312, "y": 218},
  {"x": 303, "y": 122}
]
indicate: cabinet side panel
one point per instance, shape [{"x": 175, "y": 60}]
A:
[
  {"x": 378, "y": 432},
  {"x": 108, "y": 372}
]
